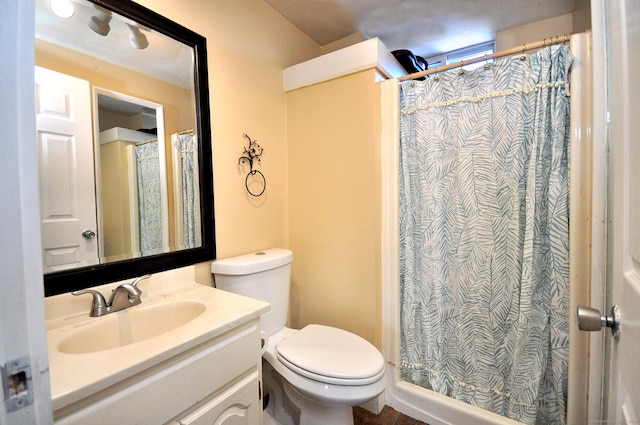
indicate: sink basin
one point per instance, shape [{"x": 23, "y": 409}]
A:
[{"x": 130, "y": 326}]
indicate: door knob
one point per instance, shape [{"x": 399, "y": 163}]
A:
[
  {"x": 88, "y": 234},
  {"x": 590, "y": 319}
]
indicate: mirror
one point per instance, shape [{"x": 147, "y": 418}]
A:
[{"x": 122, "y": 109}]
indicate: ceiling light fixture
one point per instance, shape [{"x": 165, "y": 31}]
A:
[
  {"x": 100, "y": 23},
  {"x": 137, "y": 39},
  {"x": 62, "y": 8}
]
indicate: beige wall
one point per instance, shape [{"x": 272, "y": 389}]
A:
[
  {"x": 114, "y": 167},
  {"x": 334, "y": 204}
]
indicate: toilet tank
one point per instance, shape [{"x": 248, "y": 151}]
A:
[{"x": 263, "y": 275}]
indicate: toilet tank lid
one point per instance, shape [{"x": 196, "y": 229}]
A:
[{"x": 252, "y": 263}]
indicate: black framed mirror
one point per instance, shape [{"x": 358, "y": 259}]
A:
[{"x": 102, "y": 20}]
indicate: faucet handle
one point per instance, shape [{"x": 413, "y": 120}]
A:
[
  {"x": 126, "y": 295},
  {"x": 99, "y": 305},
  {"x": 138, "y": 279}
]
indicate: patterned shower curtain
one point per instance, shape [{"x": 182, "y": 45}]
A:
[
  {"x": 149, "y": 200},
  {"x": 484, "y": 235},
  {"x": 185, "y": 145}
]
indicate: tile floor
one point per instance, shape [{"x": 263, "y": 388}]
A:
[{"x": 388, "y": 416}]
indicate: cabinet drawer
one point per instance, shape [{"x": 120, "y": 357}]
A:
[
  {"x": 169, "y": 388},
  {"x": 238, "y": 405}
]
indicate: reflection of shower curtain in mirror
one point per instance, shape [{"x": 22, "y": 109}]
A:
[
  {"x": 185, "y": 145},
  {"x": 150, "y": 212}
]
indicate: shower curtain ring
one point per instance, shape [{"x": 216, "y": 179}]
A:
[{"x": 524, "y": 48}]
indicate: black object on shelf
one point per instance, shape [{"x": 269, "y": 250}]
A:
[{"x": 410, "y": 62}]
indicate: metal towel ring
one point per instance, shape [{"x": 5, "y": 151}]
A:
[{"x": 264, "y": 182}]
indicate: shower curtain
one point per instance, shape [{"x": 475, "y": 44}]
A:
[
  {"x": 149, "y": 199},
  {"x": 185, "y": 145},
  {"x": 484, "y": 231}
]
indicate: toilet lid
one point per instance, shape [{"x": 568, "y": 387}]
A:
[{"x": 330, "y": 352}]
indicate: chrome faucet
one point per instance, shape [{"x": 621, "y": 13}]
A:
[{"x": 124, "y": 296}]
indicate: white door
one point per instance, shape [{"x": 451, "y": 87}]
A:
[
  {"x": 66, "y": 158},
  {"x": 623, "y": 43}
]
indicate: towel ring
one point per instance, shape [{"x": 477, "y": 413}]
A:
[{"x": 264, "y": 182}]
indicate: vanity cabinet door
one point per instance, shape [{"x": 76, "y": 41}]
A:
[
  {"x": 222, "y": 373},
  {"x": 238, "y": 405}
]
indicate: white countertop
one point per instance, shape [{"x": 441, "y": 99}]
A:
[{"x": 77, "y": 376}]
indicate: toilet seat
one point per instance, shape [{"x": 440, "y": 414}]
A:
[{"x": 331, "y": 355}]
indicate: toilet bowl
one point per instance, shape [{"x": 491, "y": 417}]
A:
[
  {"x": 316, "y": 379},
  {"x": 315, "y": 375}
]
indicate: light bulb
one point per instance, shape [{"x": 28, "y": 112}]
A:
[{"x": 62, "y": 8}]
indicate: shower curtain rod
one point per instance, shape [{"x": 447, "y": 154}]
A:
[
  {"x": 514, "y": 50},
  {"x": 155, "y": 139}
]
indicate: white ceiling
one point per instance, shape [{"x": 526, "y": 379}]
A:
[{"x": 426, "y": 27}]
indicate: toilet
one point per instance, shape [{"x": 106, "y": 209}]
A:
[{"x": 315, "y": 375}]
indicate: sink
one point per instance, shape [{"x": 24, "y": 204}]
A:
[{"x": 130, "y": 326}]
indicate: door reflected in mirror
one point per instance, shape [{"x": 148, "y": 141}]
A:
[{"x": 119, "y": 102}]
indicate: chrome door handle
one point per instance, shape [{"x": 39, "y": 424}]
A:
[
  {"x": 590, "y": 319},
  {"x": 88, "y": 234}
]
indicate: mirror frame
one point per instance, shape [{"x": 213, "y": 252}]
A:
[{"x": 84, "y": 277}]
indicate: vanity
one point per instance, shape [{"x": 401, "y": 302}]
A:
[{"x": 188, "y": 354}]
